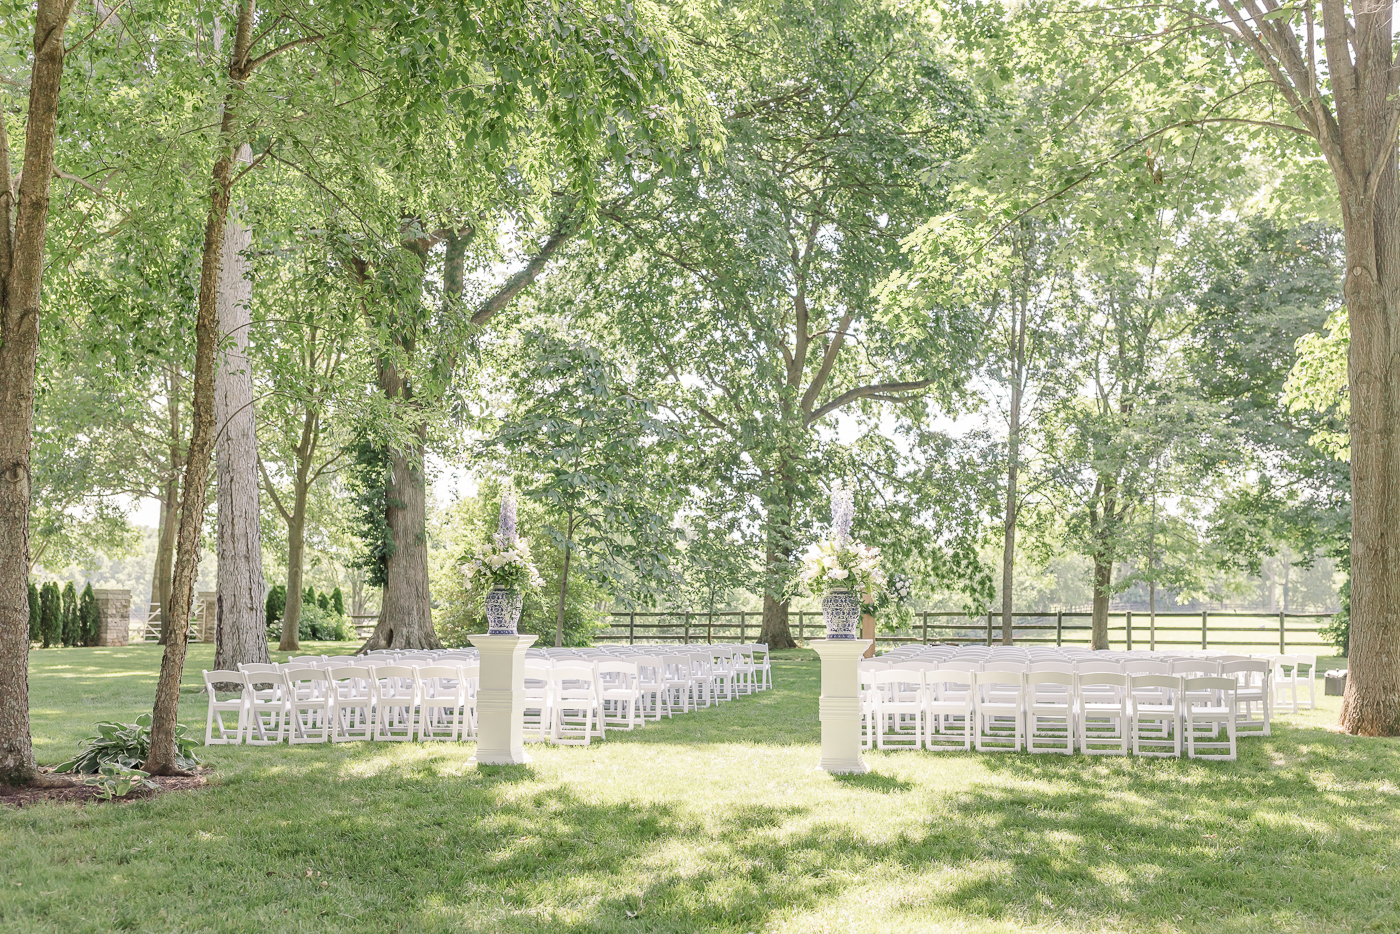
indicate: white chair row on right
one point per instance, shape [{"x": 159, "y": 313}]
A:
[{"x": 1096, "y": 713}]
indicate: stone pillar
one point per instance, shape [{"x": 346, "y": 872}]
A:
[
  {"x": 500, "y": 700},
  {"x": 839, "y": 707},
  {"x": 208, "y": 618},
  {"x": 113, "y": 616}
]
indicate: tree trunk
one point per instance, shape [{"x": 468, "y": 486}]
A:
[
  {"x": 165, "y": 715},
  {"x": 776, "y": 633},
  {"x": 1103, "y": 584},
  {"x": 296, "y": 559},
  {"x": 23, "y": 227},
  {"x": 1008, "y": 548},
  {"x": 169, "y": 508},
  {"x": 241, "y": 626},
  {"x": 405, "y": 617},
  {"x": 564, "y": 581},
  {"x": 1371, "y": 704},
  {"x": 867, "y": 631}
]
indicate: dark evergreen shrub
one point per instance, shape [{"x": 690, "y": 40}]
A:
[
  {"x": 88, "y": 618},
  {"x": 337, "y": 602},
  {"x": 36, "y": 631},
  {"x": 50, "y": 614},
  {"x": 276, "y": 607},
  {"x": 72, "y": 631}
]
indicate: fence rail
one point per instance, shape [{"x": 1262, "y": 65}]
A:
[{"x": 1126, "y": 628}]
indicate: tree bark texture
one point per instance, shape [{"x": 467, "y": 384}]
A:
[
  {"x": 1008, "y": 547},
  {"x": 161, "y": 760},
  {"x": 564, "y": 581},
  {"x": 23, "y": 228},
  {"x": 169, "y": 509},
  {"x": 1103, "y": 584},
  {"x": 296, "y": 561},
  {"x": 405, "y": 617},
  {"x": 241, "y": 627}
]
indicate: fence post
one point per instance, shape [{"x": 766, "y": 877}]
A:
[
  {"x": 632, "y": 629},
  {"x": 925, "y": 614},
  {"x": 1281, "y": 648},
  {"x": 1204, "y": 638},
  {"x": 743, "y": 628},
  {"x": 1128, "y": 624},
  {"x": 1152, "y": 630},
  {"x": 801, "y": 625},
  {"x": 989, "y": 627},
  {"x": 687, "y": 628},
  {"x": 710, "y": 628}
]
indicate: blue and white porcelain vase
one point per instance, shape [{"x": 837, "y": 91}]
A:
[
  {"x": 841, "y": 613},
  {"x": 502, "y": 611}
]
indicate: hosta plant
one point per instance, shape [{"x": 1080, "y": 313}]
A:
[{"x": 127, "y": 745}]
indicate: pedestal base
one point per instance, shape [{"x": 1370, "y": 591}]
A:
[
  {"x": 500, "y": 700},
  {"x": 839, "y": 707}
]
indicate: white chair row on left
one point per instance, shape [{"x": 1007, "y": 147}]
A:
[{"x": 305, "y": 704}]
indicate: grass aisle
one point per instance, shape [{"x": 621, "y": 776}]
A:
[{"x": 715, "y": 821}]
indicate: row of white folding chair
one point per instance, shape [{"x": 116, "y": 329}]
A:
[
  {"x": 1051, "y": 711},
  {"x": 304, "y": 703}
]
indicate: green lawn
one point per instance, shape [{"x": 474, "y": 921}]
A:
[{"x": 715, "y": 821}]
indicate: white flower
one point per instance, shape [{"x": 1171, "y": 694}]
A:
[{"x": 838, "y": 574}]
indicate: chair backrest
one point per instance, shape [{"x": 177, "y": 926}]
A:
[
  {"x": 304, "y": 676},
  {"x": 573, "y": 682},
  {"x": 396, "y": 680},
  {"x": 1306, "y": 663},
  {"x": 1000, "y": 677},
  {"x": 1054, "y": 676},
  {"x": 355, "y": 676},
  {"x": 961, "y": 664},
  {"x": 913, "y": 678},
  {"x": 1146, "y": 666},
  {"x": 452, "y": 672},
  {"x": 617, "y": 671},
  {"x": 1245, "y": 670},
  {"x": 1154, "y": 682},
  {"x": 1205, "y": 667},
  {"x": 1196, "y": 686},
  {"x": 954, "y": 677},
  {"x": 1102, "y": 679},
  {"x": 1098, "y": 666},
  {"x": 1047, "y": 665},
  {"x": 224, "y": 676}
]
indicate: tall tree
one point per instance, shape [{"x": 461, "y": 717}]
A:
[
  {"x": 240, "y": 632},
  {"x": 23, "y": 223},
  {"x": 1336, "y": 75},
  {"x": 755, "y": 290}
]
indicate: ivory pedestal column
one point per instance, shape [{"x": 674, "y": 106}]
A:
[
  {"x": 500, "y": 700},
  {"x": 839, "y": 707}
]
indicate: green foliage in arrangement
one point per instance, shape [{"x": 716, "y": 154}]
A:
[
  {"x": 128, "y": 745},
  {"x": 50, "y": 615},
  {"x": 72, "y": 629},
  {"x": 36, "y": 631},
  {"x": 88, "y": 619},
  {"x": 276, "y": 605}
]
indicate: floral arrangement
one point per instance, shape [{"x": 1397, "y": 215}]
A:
[
  {"x": 505, "y": 561},
  {"x": 839, "y": 561},
  {"x": 896, "y": 595}
]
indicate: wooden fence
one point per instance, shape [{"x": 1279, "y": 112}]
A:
[{"x": 1128, "y": 629}]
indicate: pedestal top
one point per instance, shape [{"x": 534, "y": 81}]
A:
[
  {"x": 486, "y": 643},
  {"x": 840, "y": 648}
]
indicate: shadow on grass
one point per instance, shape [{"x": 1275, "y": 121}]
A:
[{"x": 874, "y": 781}]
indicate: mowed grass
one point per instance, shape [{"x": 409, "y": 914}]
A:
[{"x": 714, "y": 821}]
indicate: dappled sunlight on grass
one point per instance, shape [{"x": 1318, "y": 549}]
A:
[{"x": 713, "y": 821}]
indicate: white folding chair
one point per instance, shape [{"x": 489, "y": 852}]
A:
[
  {"x": 702, "y": 679},
  {"x": 443, "y": 710},
  {"x": 999, "y": 697},
  {"x": 1253, "y": 707},
  {"x": 267, "y": 708},
  {"x": 1305, "y": 673},
  {"x": 677, "y": 684},
  {"x": 744, "y": 670},
  {"x": 948, "y": 703},
  {"x": 1285, "y": 678},
  {"x": 898, "y": 708},
  {"x": 573, "y": 689},
  {"x": 1156, "y": 714},
  {"x": 396, "y": 703},
  {"x": 310, "y": 704},
  {"x": 619, "y": 694},
  {"x": 651, "y": 680},
  {"x": 763, "y": 666},
  {"x": 539, "y": 697},
  {"x": 1050, "y": 724},
  {"x": 238, "y": 706},
  {"x": 1204, "y": 718},
  {"x": 352, "y": 696},
  {"x": 1104, "y": 724}
]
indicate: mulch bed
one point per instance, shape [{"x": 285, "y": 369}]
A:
[{"x": 83, "y": 794}]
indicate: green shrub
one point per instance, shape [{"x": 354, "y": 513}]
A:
[
  {"x": 337, "y": 602},
  {"x": 127, "y": 744},
  {"x": 118, "y": 781},
  {"x": 50, "y": 614},
  {"x": 308, "y": 597},
  {"x": 36, "y": 629},
  {"x": 88, "y": 618},
  {"x": 72, "y": 631},
  {"x": 318, "y": 625},
  {"x": 276, "y": 608},
  {"x": 324, "y": 602}
]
